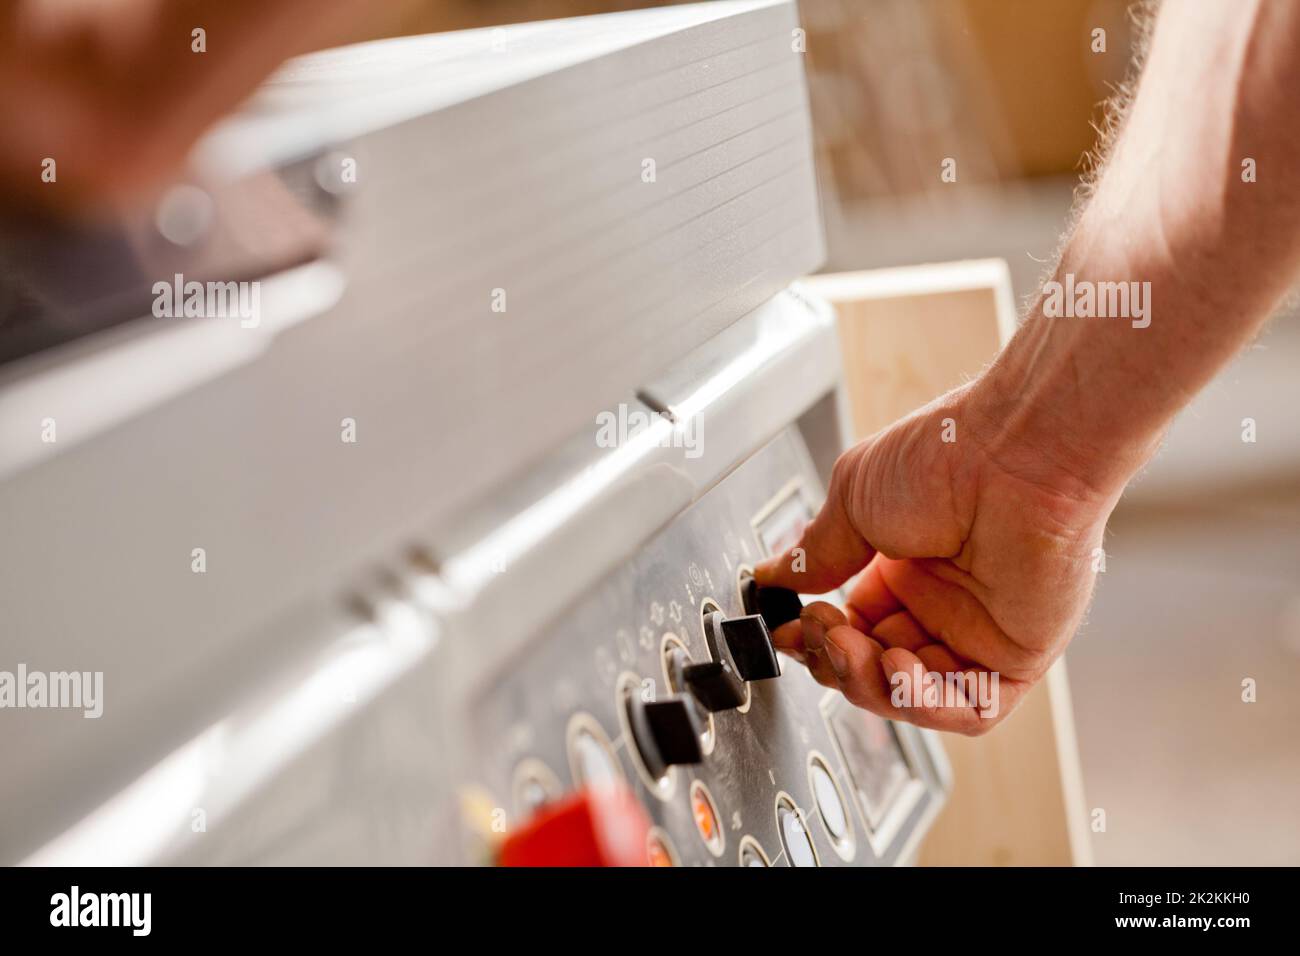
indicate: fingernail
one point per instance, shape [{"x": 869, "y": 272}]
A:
[
  {"x": 814, "y": 632},
  {"x": 835, "y": 654}
]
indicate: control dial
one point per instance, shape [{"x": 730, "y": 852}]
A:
[
  {"x": 667, "y": 732},
  {"x": 746, "y": 645},
  {"x": 775, "y": 605},
  {"x": 714, "y": 685}
]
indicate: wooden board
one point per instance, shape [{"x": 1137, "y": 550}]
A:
[{"x": 908, "y": 335}]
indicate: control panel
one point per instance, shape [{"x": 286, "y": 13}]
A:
[{"x": 655, "y": 711}]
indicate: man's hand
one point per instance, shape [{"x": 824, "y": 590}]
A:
[
  {"x": 974, "y": 555},
  {"x": 979, "y": 552}
]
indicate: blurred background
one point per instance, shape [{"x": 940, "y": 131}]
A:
[{"x": 1202, "y": 582}]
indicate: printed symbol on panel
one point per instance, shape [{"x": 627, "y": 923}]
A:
[
  {"x": 697, "y": 578},
  {"x": 657, "y": 613},
  {"x": 675, "y": 611},
  {"x": 626, "y": 648},
  {"x": 647, "y": 638},
  {"x": 605, "y": 665}
]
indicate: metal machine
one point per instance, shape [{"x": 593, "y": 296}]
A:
[
  {"x": 524, "y": 574},
  {"x": 632, "y": 675}
]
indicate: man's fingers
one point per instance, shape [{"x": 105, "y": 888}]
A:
[
  {"x": 915, "y": 680},
  {"x": 954, "y": 713},
  {"x": 829, "y": 552},
  {"x": 789, "y": 637},
  {"x": 963, "y": 699},
  {"x": 901, "y": 630},
  {"x": 938, "y": 658},
  {"x": 870, "y": 598},
  {"x": 815, "y": 620},
  {"x": 805, "y": 640},
  {"x": 855, "y": 659},
  {"x": 955, "y": 617},
  {"x": 821, "y": 670}
]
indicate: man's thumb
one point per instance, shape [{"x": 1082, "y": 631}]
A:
[{"x": 829, "y": 552}]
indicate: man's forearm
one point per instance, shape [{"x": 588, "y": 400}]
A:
[{"x": 1194, "y": 254}]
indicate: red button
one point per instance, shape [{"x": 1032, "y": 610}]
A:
[{"x": 598, "y": 826}]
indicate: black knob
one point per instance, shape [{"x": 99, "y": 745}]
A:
[
  {"x": 776, "y": 605},
  {"x": 750, "y": 646},
  {"x": 667, "y": 732},
  {"x": 714, "y": 686}
]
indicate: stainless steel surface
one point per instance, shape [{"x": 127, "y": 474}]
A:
[
  {"x": 102, "y": 381},
  {"x": 320, "y": 759},
  {"x": 535, "y": 543},
  {"x": 540, "y": 540},
  {"x": 612, "y": 642},
  {"x": 306, "y": 697},
  {"x": 449, "y": 398},
  {"x": 177, "y": 434},
  {"x": 186, "y": 805}
]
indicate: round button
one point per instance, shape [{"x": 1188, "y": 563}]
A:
[
  {"x": 534, "y": 786},
  {"x": 795, "y": 838},
  {"x": 828, "y": 801},
  {"x": 659, "y": 850},
  {"x": 831, "y": 807},
  {"x": 751, "y": 854},
  {"x": 532, "y": 794},
  {"x": 591, "y": 757},
  {"x": 594, "y": 766},
  {"x": 705, "y": 814}
]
